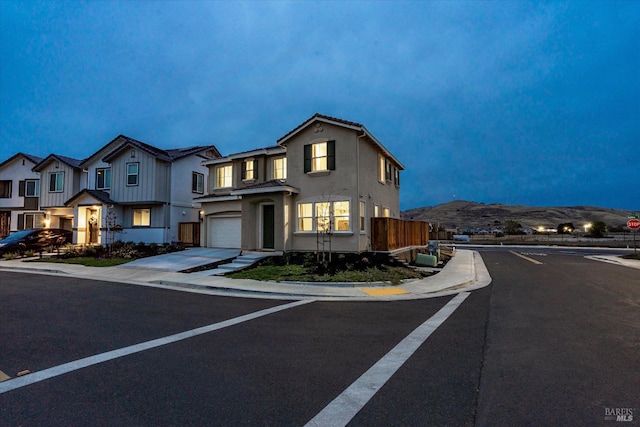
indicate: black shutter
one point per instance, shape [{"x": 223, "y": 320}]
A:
[
  {"x": 194, "y": 182},
  {"x": 20, "y": 221},
  {"x": 307, "y": 158},
  {"x": 255, "y": 169},
  {"x": 243, "y": 174},
  {"x": 331, "y": 155},
  {"x": 21, "y": 186}
]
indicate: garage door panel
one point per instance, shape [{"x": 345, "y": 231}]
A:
[{"x": 224, "y": 232}]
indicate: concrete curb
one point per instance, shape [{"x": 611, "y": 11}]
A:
[{"x": 464, "y": 272}]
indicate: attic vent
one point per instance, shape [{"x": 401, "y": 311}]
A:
[{"x": 133, "y": 154}]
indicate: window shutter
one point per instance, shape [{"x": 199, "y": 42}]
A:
[
  {"x": 255, "y": 169},
  {"x": 331, "y": 155},
  {"x": 307, "y": 158},
  {"x": 244, "y": 170},
  {"x": 20, "y": 221},
  {"x": 194, "y": 182},
  {"x": 21, "y": 187}
]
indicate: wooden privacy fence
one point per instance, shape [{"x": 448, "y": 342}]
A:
[
  {"x": 389, "y": 234},
  {"x": 189, "y": 233}
]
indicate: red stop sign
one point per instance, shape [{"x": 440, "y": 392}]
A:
[{"x": 633, "y": 224}]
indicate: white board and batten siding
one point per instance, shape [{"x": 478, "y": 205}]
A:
[{"x": 153, "y": 178}]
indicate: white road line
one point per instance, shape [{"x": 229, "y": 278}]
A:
[
  {"x": 344, "y": 407},
  {"x": 35, "y": 377},
  {"x": 535, "y": 261}
]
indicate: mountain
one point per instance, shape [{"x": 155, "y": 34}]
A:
[{"x": 462, "y": 214}]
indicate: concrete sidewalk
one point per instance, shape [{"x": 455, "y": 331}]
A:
[{"x": 465, "y": 272}]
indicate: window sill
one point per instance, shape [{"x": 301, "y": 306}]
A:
[
  {"x": 249, "y": 181},
  {"x": 319, "y": 173}
]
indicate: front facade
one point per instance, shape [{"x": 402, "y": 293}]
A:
[
  {"x": 136, "y": 192},
  {"x": 127, "y": 190},
  {"x": 19, "y": 194},
  {"x": 316, "y": 190}
]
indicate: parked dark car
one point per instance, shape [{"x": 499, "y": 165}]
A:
[{"x": 37, "y": 240}]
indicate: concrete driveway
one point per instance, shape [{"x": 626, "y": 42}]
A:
[{"x": 183, "y": 260}]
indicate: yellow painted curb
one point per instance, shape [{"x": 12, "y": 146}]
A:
[{"x": 380, "y": 292}]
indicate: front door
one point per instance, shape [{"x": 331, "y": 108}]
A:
[
  {"x": 93, "y": 226},
  {"x": 268, "y": 227}
]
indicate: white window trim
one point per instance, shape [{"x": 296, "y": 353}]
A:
[
  {"x": 199, "y": 182},
  {"x": 217, "y": 183},
  {"x": 246, "y": 170},
  {"x": 36, "y": 188},
  {"x": 133, "y": 217},
  {"x": 104, "y": 187},
  {"x": 137, "y": 174},
  {"x": 314, "y": 217},
  {"x": 61, "y": 190},
  {"x": 284, "y": 168}
]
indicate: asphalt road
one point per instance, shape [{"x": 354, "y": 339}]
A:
[{"x": 555, "y": 343}]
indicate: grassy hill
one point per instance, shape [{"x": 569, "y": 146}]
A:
[{"x": 463, "y": 214}]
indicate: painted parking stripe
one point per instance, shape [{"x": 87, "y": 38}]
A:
[
  {"x": 344, "y": 407},
  {"x": 535, "y": 261},
  {"x": 114, "y": 354},
  {"x": 4, "y": 377}
]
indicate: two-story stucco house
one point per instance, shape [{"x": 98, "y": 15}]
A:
[
  {"x": 139, "y": 190},
  {"x": 19, "y": 194},
  {"x": 318, "y": 187}
]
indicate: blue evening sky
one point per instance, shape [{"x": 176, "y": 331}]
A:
[{"x": 534, "y": 103}]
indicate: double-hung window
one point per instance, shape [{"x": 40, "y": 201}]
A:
[
  {"x": 324, "y": 216},
  {"x": 32, "y": 188},
  {"x": 363, "y": 214},
  {"x": 142, "y": 217},
  {"x": 132, "y": 173},
  {"x": 197, "y": 183},
  {"x": 103, "y": 179},
  {"x": 381, "y": 169},
  {"x": 56, "y": 182},
  {"x": 249, "y": 170},
  {"x": 224, "y": 176},
  {"x": 320, "y": 156},
  {"x": 280, "y": 168}
]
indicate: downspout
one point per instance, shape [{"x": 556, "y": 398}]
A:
[{"x": 358, "y": 187}]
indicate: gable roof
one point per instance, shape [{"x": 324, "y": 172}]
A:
[
  {"x": 101, "y": 196},
  {"x": 342, "y": 123},
  {"x": 74, "y": 163},
  {"x": 33, "y": 159},
  {"x": 168, "y": 155}
]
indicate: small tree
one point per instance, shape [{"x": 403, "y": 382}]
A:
[
  {"x": 512, "y": 227},
  {"x": 566, "y": 228},
  {"x": 598, "y": 229}
]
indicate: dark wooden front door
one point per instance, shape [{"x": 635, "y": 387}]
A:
[{"x": 268, "y": 227}]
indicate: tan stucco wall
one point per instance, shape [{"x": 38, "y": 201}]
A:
[{"x": 355, "y": 179}]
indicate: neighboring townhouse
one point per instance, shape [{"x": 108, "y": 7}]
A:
[
  {"x": 19, "y": 194},
  {"x": 318, "y": 188},
  {"x": 133, "y": 191},
  {"x": 60, "y": 178}
]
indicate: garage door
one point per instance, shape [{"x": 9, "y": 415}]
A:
[{"x": 224, "y": 233}]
